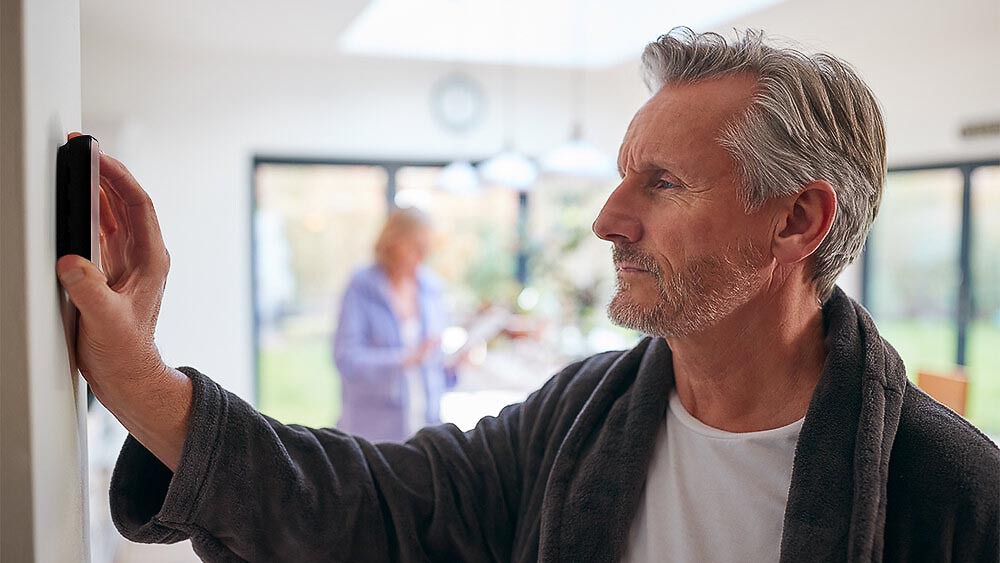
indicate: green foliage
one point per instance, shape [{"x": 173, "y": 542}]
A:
[
  {"x": 299, "y": 383},
  {"x": 984, "y": 376},
  {"x": 490, "y": 276},
  {"x": 931, "y": 345}
]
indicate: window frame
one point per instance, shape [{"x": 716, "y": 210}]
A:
[
  {"x": 391, "y": 167},
  {"x": 964, "y": 306}
]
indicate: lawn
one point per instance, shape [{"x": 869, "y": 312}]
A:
[
  {"x": 984, "y": 377},
  {"x": 931, "y": 345},
  {"x": 299, "y": 383}
]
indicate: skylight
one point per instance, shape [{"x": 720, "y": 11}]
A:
[{"x": 563, "y": 33}]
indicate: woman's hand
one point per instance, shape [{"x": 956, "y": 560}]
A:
[
  {"x": 119, "y": 307},
  {"x": 420, "y": 353}
]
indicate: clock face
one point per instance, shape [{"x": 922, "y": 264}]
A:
[{"x": 458, "y": 102}]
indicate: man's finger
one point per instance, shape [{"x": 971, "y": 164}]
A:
[
  {"x": 122, "y": 181},
  {"x": 138, "y": 206},
  {"x": 87, "y": 288},
  {"x": 139, "y": 216},
  {"x": 115, "y": 237},
  {"x": 109, "y": 223}
]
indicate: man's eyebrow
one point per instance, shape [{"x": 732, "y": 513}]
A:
[
  {"x": 660, "y": 161},
  {"x": 650, "y": 160},
  {"x": 646, "y": 166}
]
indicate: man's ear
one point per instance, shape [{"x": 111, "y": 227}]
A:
[{"x": 804, "y": 222}]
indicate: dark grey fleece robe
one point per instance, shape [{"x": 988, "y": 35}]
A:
[{"x": 881, "y": 472}]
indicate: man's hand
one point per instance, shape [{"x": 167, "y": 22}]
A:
[{"x": 118, "y": 311}]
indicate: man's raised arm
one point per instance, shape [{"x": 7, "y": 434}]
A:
[
  {"x": 118, "y": 311},
  {"x": 202, "y": 464}
]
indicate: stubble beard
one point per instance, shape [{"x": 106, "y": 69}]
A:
[{"x": 690, "y": 300}]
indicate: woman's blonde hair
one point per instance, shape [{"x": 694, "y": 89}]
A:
[{"x": 402, "y": 222}]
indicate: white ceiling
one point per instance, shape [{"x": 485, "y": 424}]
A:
[
  {"x": 932, "y": 63},
  {"x": 543, "y": 30},
  {"x": 323, "y": 28},
  {"x": 524, "y": 32},
  {"x": 309, "y": 28},
  {"x": 560, "y": 33}
]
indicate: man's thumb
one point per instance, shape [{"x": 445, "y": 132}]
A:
[{"x": 86, "y": 285}]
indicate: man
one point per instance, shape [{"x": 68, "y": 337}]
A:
[{"x": 764, "y": 418}]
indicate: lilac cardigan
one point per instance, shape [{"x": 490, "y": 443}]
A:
[{"x": 368, "y": 350}]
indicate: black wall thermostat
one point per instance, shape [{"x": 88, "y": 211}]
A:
[
  {"x": 78, "y": 220},
  {"x": 78, "y": 201}
]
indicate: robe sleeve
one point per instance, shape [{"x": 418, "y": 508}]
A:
[{"x": 249, "y": 488}]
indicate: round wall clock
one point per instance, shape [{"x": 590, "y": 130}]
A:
[{"x": 458, "y": 102}]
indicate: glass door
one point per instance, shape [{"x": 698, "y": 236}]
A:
[
  {"x": 313, "y": 225},
  {"x": 983, "y": 353}
]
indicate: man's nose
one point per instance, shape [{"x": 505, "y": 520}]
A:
[{"x": 618, "y": 221}]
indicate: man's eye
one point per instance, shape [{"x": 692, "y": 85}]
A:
[{"x": 666, "y": 184}]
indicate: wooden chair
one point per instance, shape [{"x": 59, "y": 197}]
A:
[{"x": 951, "y": 389}]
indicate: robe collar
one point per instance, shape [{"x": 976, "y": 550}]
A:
[{"x": 836, "y": 502}]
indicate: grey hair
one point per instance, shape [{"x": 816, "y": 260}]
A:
[{"x": 811, "y": 118}]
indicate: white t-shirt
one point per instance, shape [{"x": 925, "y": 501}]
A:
[
  {"x": 416, "y": 414},
  {"x": 713, "y": 495}
]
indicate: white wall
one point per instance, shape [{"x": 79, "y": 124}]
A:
[
  {"x": 42, "y": 417},
  {"x": 933, "y": 65},
  {"x": 188, "y": 124}
]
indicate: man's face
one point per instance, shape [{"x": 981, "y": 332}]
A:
[{"x": 686, "y": 253}]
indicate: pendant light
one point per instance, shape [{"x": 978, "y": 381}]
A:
[
  {"x": 578, "y": 156},
  {"x": 509, "y": 168},
  {"x": 459, "y": 177}
]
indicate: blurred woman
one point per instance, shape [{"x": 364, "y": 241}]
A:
[{"x": 387, "y": 341}]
